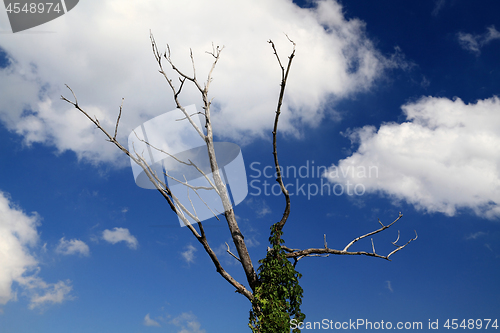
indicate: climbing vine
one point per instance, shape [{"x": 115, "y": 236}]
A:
[{"x": 278, "y": 295}]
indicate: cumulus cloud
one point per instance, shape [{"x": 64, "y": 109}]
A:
[
  {"x": 445, "y": 157},
  {"x": 150, "y": 322},
  {"x": 120, "y": 235},
  {"x": 188, "y": 255},
  {"x": 474, "y": 43},
  {"x": 51, "y": 293},
  {"x": 18, "y": 237},
  {"x": 104, "y": 54},
  {"x": 73, "y": 246}
]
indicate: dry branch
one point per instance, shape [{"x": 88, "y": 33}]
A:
[
  {"x": 236, "y": 234},
  {"x": 299, "y": 254},
  {"x": 174, "y": 204},
  {"x": 279, "y": 179}
]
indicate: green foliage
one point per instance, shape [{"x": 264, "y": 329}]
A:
[{"x": 278, "y": 296}]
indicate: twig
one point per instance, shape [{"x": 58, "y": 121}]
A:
[
  {"x": 118, "y": 120},
  {"x": 229, "y": 251},
  {"x": 373, "y": 232},
  {"x": 402, "y": 246}
]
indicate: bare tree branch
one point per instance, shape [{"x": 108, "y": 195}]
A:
[
  {"x": 118, "y": 120},
  {"x": 279, "y": 179},
  {"x": 236, "y": 234},
  {"x": 373, "y": 232},
  {"x": 400, "y": 247},
  {"x": 174, "y": 204},
  {"x": 229, "y": 251},
  {"x": 299, "y": 254},
  {"x": 182, "y": 162},
  {"x": 169, "y": 81}
]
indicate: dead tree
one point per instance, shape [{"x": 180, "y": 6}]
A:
[{"x": 216, "y": 182}]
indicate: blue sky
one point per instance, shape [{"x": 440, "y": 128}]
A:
[{"x": 408, "y": 87}]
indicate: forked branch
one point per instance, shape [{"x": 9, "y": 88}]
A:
[
  {"x": 173, "y": 202},
  {"x": 220, "y": 186},
  {"x": 325, "y": 251},
  {"x": 299, "y": 254}
]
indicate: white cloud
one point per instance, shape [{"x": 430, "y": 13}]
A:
[
  {"x": 18, "y": 236},
  {"x": 120, "y": 235},
  {"x": 443, "y": 158},
  {"x": 259, "y": 206},
  {"x": 389, "y": 286},
  {"x": 104, "y": 54},
  {"x": 476, "y": 235},
  {"x": 51, "y": 293},
  {"x": 474, "y": 43},
  {"x": 264, "y": 210},
  {"x": 188, "y": 323},
  {"x": 73, "y": 246},
  {"x": 438, "y": 6},
  {"x": 150, "y": 322},
  {"x": 188, "y": 255},
  {"x": 251, "y": 234}
]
